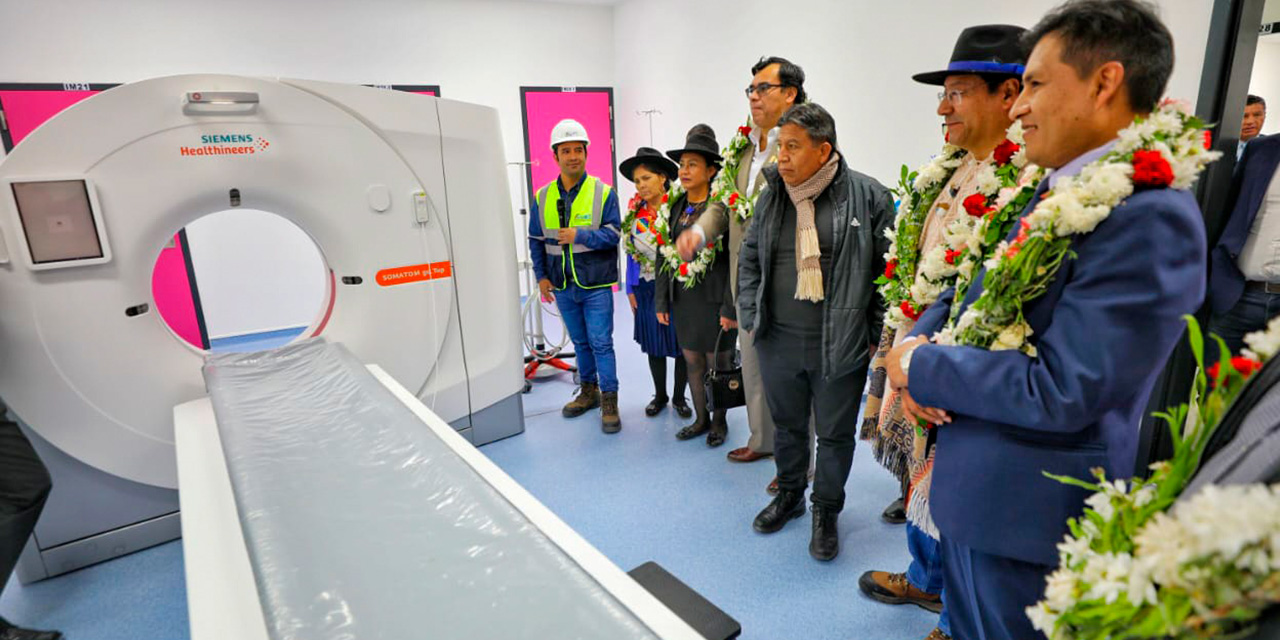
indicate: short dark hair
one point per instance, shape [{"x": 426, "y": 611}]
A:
[
  {"x": 789, "y": 74},
  {"x": 1094, "y": 32},
  {"x": 1252, "y": 100},
  {"x": 815, "y": 120},
  {"x": 994, "y": 82}
]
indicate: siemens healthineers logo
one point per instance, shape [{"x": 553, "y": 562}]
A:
[{"x": 227, "y": 145}]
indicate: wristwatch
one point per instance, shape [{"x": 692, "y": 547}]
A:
[{"x": 904, "y": 362}]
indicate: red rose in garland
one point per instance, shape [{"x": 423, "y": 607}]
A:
[
  {"x": 976, "y": 205},
  {"x": 890, "y": 268},
  {"x": 657, "y": 237},
  {"x": 1151, "y": 170},
  {"x": 684, "y": 269},
  {"x": 909, "y": 311},
  {"x": 1246, "y": 367},
  {"x": 744, "y": 130},
  {"x": 952, "y": 256},
  {"x": 1004, "y": 153},
  {"x": 1208, "y": 139},
  {"x": 733, "y": 198}
]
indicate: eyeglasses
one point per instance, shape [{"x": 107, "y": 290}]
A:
[
  {"x": 954, "y": 96},
  {"x": 762, "y": 88}
]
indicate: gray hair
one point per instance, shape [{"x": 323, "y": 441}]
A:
[{"x": 815, "y": 120}]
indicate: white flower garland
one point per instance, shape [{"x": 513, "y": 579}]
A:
[
  {"x": 1169, "y": 145},
  {"x": 725, "y": 187},
  {"x": 686, "y": 273},
  {"x": 631, "y": 228},
  {"x": 1147, "y": 561},
  {"x": 954, "y": 261},
  {"x": 918, "y": 191},
  {"x": 1264, "y": 344}
]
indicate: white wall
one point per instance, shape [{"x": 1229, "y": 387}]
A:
[
  {"x": 692, "y": 60},
  {"x": 479, "y": 51},
  {"x": 1265, "y": 81}
]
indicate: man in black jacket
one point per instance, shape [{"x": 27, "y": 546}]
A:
[
  {"x": 24, "y": 487},
  {"x": 805, "y": 278}
]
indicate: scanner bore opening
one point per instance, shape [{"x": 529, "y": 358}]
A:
[{"x": 241, "y": 280}]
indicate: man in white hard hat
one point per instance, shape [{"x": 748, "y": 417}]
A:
[{"x": 573, "y": 242}]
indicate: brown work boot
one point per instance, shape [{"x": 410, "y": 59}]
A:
[
  {"x": 588, "y": 398},
  {"x": 609, "y": 420},
  {"x": 893, "y": 588}
]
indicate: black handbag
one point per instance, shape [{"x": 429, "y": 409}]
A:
[{"x": 724, "y": 386}]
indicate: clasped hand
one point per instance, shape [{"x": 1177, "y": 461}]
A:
[{"x": 898, "y": 381}]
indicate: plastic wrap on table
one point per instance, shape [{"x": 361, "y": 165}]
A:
[{"x": 362, "y": 524}]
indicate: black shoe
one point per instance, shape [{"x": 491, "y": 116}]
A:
[
  {"x": 692, "y": 431},
  {"x": 895, "y": 513},
  {"x": 789, "y": 505},
  {"x": 10, "y": 632},
  {"x": 682, "y": 409},
  {"x": 825, "y": 544},
  {"x": 655, "y": 406},
  {"x": 718, "y": 432}
]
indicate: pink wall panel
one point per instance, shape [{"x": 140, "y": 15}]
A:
[
  {"x": 26, "y": 110},
  {"x": 543, "y": 109},
  {"x": 171, "y": 289}
]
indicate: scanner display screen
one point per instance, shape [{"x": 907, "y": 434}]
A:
[{"x": 57, "y": 219}]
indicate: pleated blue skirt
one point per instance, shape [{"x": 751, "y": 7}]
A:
[{"x": 655, "y": 339}]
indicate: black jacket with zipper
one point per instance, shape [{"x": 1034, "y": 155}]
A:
[{"x": 853, "y": 309}]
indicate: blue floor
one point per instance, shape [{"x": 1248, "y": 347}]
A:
[{"x": 637, "y": 496}]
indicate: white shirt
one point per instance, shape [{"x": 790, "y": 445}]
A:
[
  {"x": 1260, "y": 259},
  {"x": 758, "y": 158}
]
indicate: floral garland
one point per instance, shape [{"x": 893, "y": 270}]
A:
[
  {"x": 917, "y": 190},
  {"x": 1142, "y": 564},
  {"x": 911, "y": 282},
  {"x": 687, "y": 273},
  {"x": 1168, "y": 148},
  {"x": 632, "y": 223},
  {"x": 725, "y": 187}
]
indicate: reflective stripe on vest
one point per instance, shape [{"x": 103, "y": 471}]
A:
[{"x": 587, "y": 211}]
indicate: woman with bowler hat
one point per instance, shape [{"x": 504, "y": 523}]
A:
[
  {"x": 702, "y": 311},
  {"x": 652, "y": 173}
]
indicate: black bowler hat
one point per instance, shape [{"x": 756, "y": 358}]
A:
[
  {"x": 701, "y": 139},
  {"x": 989, "y": 49},
  {"x": 649, "y": 157}
]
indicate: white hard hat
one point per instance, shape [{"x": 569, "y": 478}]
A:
[{"x": 569, "y": 130}]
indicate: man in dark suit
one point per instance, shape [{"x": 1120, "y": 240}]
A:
[
  {"x": 24, "y": 486},
  {"x": 1102, "y": 329},
  {"x": 1244, "y": 277}
]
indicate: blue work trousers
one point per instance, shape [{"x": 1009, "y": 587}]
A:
[
  {"x": 588, "y": 316},
  {"x": 925, "y": 572}
]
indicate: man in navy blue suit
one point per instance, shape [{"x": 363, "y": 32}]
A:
[
  {"x": 1244, "y": 277},
  {"x": 1102, "y": 329}
]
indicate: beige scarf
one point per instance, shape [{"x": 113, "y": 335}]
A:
[{"x": 808, "y": 254}]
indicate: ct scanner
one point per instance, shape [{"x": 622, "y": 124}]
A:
[{"x": 406, "y": 197}]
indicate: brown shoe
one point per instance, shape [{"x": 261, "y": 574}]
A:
[
  {"x": 588, "y": 398},
  {"x": 893, "y": 588},
  {"x": 745, "y": 454},
  {"x": 937, "y": 634},
  {"x": 609, "y": 420}
]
